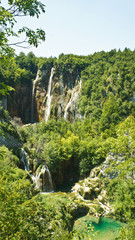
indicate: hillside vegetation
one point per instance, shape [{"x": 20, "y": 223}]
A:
[{"x": 70, "y": 150}]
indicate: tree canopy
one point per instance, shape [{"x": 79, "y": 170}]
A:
[
  {"x": 9, "y": 14},
  {"x": 8, "y": 20}
]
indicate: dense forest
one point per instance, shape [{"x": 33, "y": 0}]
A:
[
  {"x": 107, "y": 92},
  {"x": 67, "y": 137},
  {"x": 71, "y": 150}
]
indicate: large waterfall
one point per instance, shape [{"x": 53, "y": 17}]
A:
[
  {"x": 33, "y": 93},
  {"x": 42, "y": 178},
  {"x": 48, "y": 102}
]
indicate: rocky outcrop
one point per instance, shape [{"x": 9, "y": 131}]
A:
[
  {"x": 89, "y": 188},
  {"x": 92, "y": 190}
]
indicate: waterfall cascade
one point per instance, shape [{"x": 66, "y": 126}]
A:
[
  {"x": 67, "y": 107},
  {"x": 80, "y": 85},
  {"x": 42, "y": 178},
  {"x": 74, "y": 96},
  {"x": 33, "y": 92},
  {"x": 25, "y": 159},
  {"x": 48, "y": 102}
]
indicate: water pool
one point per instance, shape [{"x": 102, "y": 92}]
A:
[{"x": 104, "y": 229}]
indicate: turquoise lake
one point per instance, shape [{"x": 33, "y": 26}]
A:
[{"x": 105, "y": 229}]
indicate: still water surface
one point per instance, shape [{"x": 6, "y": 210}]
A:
[{"x": 105, "y": 229}]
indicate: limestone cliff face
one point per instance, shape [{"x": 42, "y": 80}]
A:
[
  {"x": 61, "y": 90},
  {"x": 19, "y": 102},
  {"x": 54, "y": 93},
  {"x": 39, "y": 91}
]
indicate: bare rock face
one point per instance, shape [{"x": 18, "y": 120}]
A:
[
  {"x": 63, "y": 90},
  {"x": 19, "y": 103},
  {"x": 39, "y": 96},
  {"x": 54, "y": 92}
]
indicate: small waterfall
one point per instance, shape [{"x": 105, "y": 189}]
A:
[
  {"x": 25, "y": 159},
  {"x": 33, "y": 92},
  {"x": 42, "y": 179},
  {"x": 73, "y": 99},
  {"x": 67, "y": 107},
  {"x": 80, "y": 85},
  {"x": 48, "y": 103}
]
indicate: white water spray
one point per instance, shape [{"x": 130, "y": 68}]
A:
[
  {"x": 74, "y": 95},
  {"x": 80, "y": 85},
  {"x": 25, "y": 160},
  {"x": 42, "y": 178},
  {"x": 67, "y": 107},
  {"x": 48, "y": 103},
  {"x": 43, "y": 175},
  {"x": 33, "y": 93}
]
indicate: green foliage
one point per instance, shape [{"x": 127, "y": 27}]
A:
[
  {"x": 46, "y": 63},
  {"x": 8, "y": 75},
  {"x": 83, "y": 229},
  {"x": 6, "y": 126},
  {"x": 5, "y": 89},
  {"x": 71, "y": 63},
  {"x": 107, "y": 87},
  {"x": 110, "y": 113},
  {"x": 121, "y": 190},
  {"x": 8, "y": 165},
  {"x": 20, "y": 212},
  {"x": 23, "y": 213},
  {"x": 127, "y": 233},
  {"x": 75, "y": 149},
  {"x": 8, "y": 20},
  {"x": 27, "y": 68},
  {"x": 71, "y": 150}
]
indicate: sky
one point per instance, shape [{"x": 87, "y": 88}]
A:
[{"x": 83, "y": 27}]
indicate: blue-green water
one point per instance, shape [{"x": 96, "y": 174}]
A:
[{"x": 105, "y": 229}]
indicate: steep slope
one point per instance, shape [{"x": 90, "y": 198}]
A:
[{"x": 78, "y": 87}]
